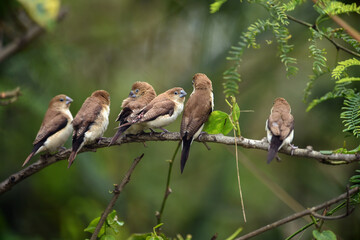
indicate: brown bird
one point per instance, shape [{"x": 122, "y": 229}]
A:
[
  {"x": 55, "y": 128},
  {"x": 90, "y": 122},
  {"x": 196, "y": 112},
  {"x": 140, "y": 95},
  {"x": 162, "y": 110},
  {"x": 279, "y": 127}
]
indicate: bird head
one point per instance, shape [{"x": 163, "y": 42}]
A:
[
  {"x": 60, "y": 101},
  {"x": 201, "y": 81},
  {"x": 102, "y": 95}
]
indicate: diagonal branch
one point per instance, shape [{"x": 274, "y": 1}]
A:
[
  {"x": 46, "y": 160},
  {"x": 116, "y": 192},
  {"x": 297, "y": 215},
  {"x": 21, "y": 42},
  {"x": 8, "y": 97}
]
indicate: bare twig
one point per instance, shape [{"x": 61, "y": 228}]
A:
[
  {"x": 117, "y": 191},
  {"x": 45, "y": 160},
  {"x": 9, "y": 96},
  {"x": 337, "y": 45},
  {"x": 159, "y": 213},
  {"x": 30, "y": 35},
  {"x": 297, "y": 215}
]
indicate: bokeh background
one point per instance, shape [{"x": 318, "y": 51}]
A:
[{"x": 111, "y": 44}]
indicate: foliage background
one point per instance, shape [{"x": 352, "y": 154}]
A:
[{"x": 111, "y": 44}]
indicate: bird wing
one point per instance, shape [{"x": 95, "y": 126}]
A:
[
  {"x": 192, "y": 120},
  {"x": 86, "y": 116},
  {"x": 157, "y": 109},
  {"x": 281, "y": 124},
  {"x": 48, "y": 128}
]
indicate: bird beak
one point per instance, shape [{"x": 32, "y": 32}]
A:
[
  {"x": 68, "y": 100},
  {"x": 182, "y": 93},
  {"x": 132, "y": 94}
]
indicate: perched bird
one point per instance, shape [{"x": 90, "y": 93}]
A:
[
  {"x": 140, "y": 95},
  {"x": 162, "y": 110},
  {"x": 196, "y": 112},
  {"x": 55, "y": 128},
  {"x": 279, "y": 127},
  {"x": 90, "y": 122}
]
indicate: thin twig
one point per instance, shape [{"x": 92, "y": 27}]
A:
[
  {"x": 46, "y": 160},
  {"x": 159, "y": 214},
  {"x": 337, "y": 45},
  {"x": 30, "y": 35},
  {"x": 8, "y": 97},
  {"x": 299, "y": 214},
  {"x": 117, "y": 191}
]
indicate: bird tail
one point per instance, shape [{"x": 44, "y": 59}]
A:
[
  {"x": 119, "y": 132},
  {"x": 28, "y": 158},
  {"x": 77, "y": 144},
  {"x": 274, "y": 148},
  {"x": 72, "y": 158},
  {"x": 185, "y": 151},
  {"x": 34, "y": 151}
]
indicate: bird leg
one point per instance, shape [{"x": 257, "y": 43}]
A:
[
  {"x": 205, "y": 144},
  {"x": 164, "y": 131},
  {"x": 293, "y": 147}
]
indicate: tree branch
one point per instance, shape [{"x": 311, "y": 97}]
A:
[
  {"x": 117, "y": 191},
  {"x": 21, "y": 42},
  {"x": 337, "y": 45},
  {"x": 9, "y": 96},
  {"x": 297, "y": 215},
  {"x": 48, "y": 159}
]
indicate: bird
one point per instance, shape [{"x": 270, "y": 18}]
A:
[
  {"x": 162, "y": 110},
  {"x": 197, "y": 111},
  {"x": 55, "y": 128},
  {"x": 140, "y": 95},
  {"x": 90, "y": 122},
  {"x": 279, "y": 127}
]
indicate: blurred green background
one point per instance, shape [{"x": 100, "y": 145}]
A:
[{"x": 111, "y": 44}]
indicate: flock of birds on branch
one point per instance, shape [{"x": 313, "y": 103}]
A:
[{"x": 143, "y": 110}]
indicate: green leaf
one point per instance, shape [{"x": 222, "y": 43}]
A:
[
  {"x": 236, "y": 112},
  {"x": 92, "y": 226},
  {"x": 218, "y": 122},
  {"x": 44, "y": 12},
  {"x": 324, "y": 235},
  {"x": 233, "y": 236},
  {"x": 215, "y": 6},
  {"x": 107, "y": 237},
  {"x": 139, "y": 236}
]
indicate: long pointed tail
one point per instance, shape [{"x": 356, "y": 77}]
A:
[
  {"x": 274, "y": 148},
  {"x": 72, "y": 158},
  {"x": 185, "y": 152},
  {"x": 28, "y": 158},
  {"x": 119, "y": 132}
]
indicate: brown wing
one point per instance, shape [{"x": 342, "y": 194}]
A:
[
  {"x": 281, "y": 124},
  {"x": 53, "y": 122},
  {"x": 157, "y": 109},
  {"x": 196, "y": 113},
  {"x": 287, "y": 126},
  {"x": 86, "y": 116}
]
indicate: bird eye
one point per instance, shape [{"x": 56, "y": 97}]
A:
[
  {"x": 137, "y": 90},
  {"x": 61, "y": 99},
  {"x": 176, "y": 93}
]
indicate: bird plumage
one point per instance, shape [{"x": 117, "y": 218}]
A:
[
  {"x": 279, "y": 127},
  {"x": 162, "y": 110},
  {"x": 197, "y": 110},
  {"x": 55, "y": 128},
  {"x": 90, "y": 122},
  {"x": 140, "y": 95}
]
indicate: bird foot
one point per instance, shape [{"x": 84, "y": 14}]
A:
[
  {"x": 293, "y": 147},
  {"x": 201, "y": 135},
  {"x": 99, "y": 140},
  {"x": 62, "y": 148},
  {"x": 152, "y": 132}
]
